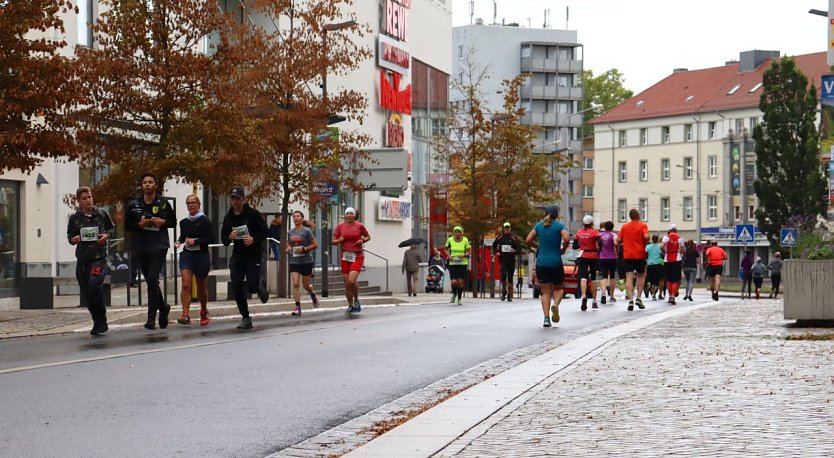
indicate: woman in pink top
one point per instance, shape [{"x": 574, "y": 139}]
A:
[
  {"x": 608, "y": 259},
  {"x": 587, "y": 240}
]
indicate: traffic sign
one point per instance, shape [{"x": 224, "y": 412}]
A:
[
  {"x": 787, "y": 237},
  {"x": 744, "y": 233}
]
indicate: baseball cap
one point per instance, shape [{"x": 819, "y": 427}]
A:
[
  {"x": 507, "y": 225},
  {"x": 552, "y": 210},
  {"x": 588, "y": 219},
  {"x": 237, "y": 191},
  {"x": 350, "y": 210},
  {"x": 673, "y": 227}
]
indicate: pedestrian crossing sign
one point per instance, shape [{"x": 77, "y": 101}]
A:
[
  {"x": 744, "y": 233},
  {"x": 787, "y": 237}
]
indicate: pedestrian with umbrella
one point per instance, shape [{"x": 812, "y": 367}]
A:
[{"x": 411, "y": 266}]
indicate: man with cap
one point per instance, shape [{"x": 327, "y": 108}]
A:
[
  {"x": 588, "y": 240},
  {"x": 148, "y": 219},
  {"x": 506, "y": 246},
  {"x": 674, "y": 249},
  {"x": 245, "y": 229},
  {"x": 351, "y": 235}
]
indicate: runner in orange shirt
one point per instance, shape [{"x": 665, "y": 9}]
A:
[
  {"x": 715, "y": 266},
  {"x": 634, "y": 236}
]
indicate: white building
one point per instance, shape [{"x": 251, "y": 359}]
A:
[
  {"x": 681, "y": 151},
  {"x": 34, "y": 218}
]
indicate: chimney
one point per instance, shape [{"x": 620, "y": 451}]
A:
[
  {"x": 479, "y": 21},
  {"x": 750, "y": 60},
  {"x": 680, "y": 70}
]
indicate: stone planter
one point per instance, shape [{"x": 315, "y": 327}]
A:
[{"x": 808, "y": 286}]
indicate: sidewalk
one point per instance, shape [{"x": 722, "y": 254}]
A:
[{"x": 698, "y": 380}]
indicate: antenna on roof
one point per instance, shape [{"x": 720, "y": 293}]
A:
[
  {"x": 471, "y": 11},
  {"x": 567, "y": 16},
  {"x": 546, "y": 19},
  {"x": 494, "y": 12}
]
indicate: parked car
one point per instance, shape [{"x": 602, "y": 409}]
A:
[{"x": 571, "y": 285}]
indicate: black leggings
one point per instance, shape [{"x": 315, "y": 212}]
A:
[
  {"x": 245, "y": 273},
  {"x": 775, "y": 281},
  {"x": 90, "y": 275},
  {"x": 152, "y": 265}
]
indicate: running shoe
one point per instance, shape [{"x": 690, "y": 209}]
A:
[
  {"x": 184, "y": 319},
  {"x": 594, "y": 305},
  {"x": 603, "y": 300},
  {"x": 672, "y": 301},
  {"x": 163, "y": 316},
  {"x": 263, "y": 295},
  {"x": 98, "y": 329},
  {"x": 315, "y": 300},
  {"x": 460, "y": 301},
  {"x": 715, "y": 295},
  {"x": 509, "y": 298},
  {"x": 630, "y": 305},
  {"x": 454, "y": 296},
  {"x": 584, "y": 305},
  {"x": 245, "y": 323},
  {"x": 546, "y": 322},
  {"x": 554, "y": 313},
  {"x": 357, "y": 307},
  {"x": 350, "y": 310},
  {"x": 613, "y": 299},
  {"x": 639, "y": 303},
  {"x": 204, "y": 318},
  {"x": 296, "y": 311},
  {"x": 503, "y": 296}
]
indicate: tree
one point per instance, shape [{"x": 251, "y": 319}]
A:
[
  {"x": 35, "y": 87},
  {"x": 790, "y": 183},
  {"x": 606, "y": 89},
  {"x": 155, "y": 100},
  {"x": 300, "y": 44}
]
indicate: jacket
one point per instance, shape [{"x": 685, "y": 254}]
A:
[
  {"x": 411, "y": 260},
  {"x": 87, "y": 251},
  {"x": 144, "y": 240},
  {"x": 200, "y": 230},
  {"x": 256, "y": 225}
]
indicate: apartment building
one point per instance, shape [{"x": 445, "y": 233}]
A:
[{"x": 682, "y": 151}]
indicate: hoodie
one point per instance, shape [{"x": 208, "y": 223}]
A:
[{"x": 256, "y": 225}]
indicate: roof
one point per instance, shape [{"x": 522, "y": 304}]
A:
[{"x": 707, "y": 90}]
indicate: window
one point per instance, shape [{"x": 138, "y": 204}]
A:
[
  {"x": 664, "y": 134},
  {"x": 754, "y": 121},
  {"x": 687, "y": 132},
  {"x": 687, "y": 168},
  {"x": 643, "y": 204},
  {"x": 460, "y": 51},
  {"x": 712, "y": 132},
  {"x": 623, "y": 172},
  {"x": 712, "y": 166},
  {"x": 664, "y": 169},
  {"x": 10, "y": 234},
  {"x": 687, "y": 208},
  {"x": 664, "y": 209},
  {"x": 587, "y": 190},
  {"x": 755, "y": 88},
  {"x": 734, "y": 89},
  {"x": 564, "y": 81},
  {"x": 751, "y": 213},
  {"x": 644, "y": 170},
  {"x": 644, "y": 136},
  {"x": 85, "y": 23},
  {"x": 621, "y": 210},
  {"x": 737, "y": 213},
  {"x": 712, "y": 207},
  {"x": 623, "y": 138},
  {"x": 588, "y": 163},
  {"x": 739, "y": 126}
]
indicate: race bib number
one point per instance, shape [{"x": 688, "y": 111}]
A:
[
  {"x": 89, "y": 234},
  {"x": 194, "y": 247},
  {"x": 298, "y": 251},
  {"x": 506, "y": 248},
  {"x": 349, "y": 256},
  {"x": 455, "y": 260}
]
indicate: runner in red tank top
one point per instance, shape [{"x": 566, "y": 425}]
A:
[
  {"x": 673, "y": 249},
  {"x": 587, "y": 239}
]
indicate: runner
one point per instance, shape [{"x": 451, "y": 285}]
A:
[
  {"x": 300, "y": 242},
  {"x": 654, "y": 267},
  {"x": 149, "y": 217},
  {"x": 553, "y": 240},
  {"x": 195, "y": 262},
  {"x": 633, "y": 237},
  {"x": 88, "y": 229},
  {"x": 758, "y": 271},
  {"x": 608, "y": 260},
  {"x": 459, "y": 251},
  {"x": 352, "y": 236},
  {"x": 674, "y": 250},
  {"x": 588, "y": 240},
  {"x": 745, "y": 272},
  {"x": 691, "y": 259},
  {"x": 245, "y": 229},
  {"x": 775, "y": 268},
  {"x": 715, "y": 257},
  {"x": 506, "y": 246}
]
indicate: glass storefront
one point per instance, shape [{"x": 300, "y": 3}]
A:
[{"x": 9, "y": 235}]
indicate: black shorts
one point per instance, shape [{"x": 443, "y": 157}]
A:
[
  {"x": 197, "y": 262},
  {"x": 551, "y": 275},
  {"x": 673, "y": 271},
  {"x": 507, "y": 271},
  {"x": 631, "y": 265},
  {"x": 713, "y": 271},
  {"x": 607, "y": 267},
  {"x": 586, "y": 268},
  {"x": 304, "y": 269},
  {"x": 458, "y": 271},
  {"x": 654, "y": 273},
  {"x": 758, "y": 281}
]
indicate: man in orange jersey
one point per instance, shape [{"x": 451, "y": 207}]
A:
[{"x": 633, "y": 237}]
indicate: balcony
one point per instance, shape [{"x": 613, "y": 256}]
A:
[
  {"x": 551, "y": 92},
  {"x": 538, "y": 65},
  {"x": 549, "y": 120}
]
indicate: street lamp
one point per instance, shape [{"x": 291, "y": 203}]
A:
[{"x": 331, "y": 119}]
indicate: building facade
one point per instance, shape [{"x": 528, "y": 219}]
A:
[{"x": 681, "y": 152}]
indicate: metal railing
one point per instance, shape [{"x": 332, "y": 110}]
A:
[{"x": 386, "y": 265}]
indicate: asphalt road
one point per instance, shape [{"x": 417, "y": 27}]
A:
[{"x": 218, "y": 391}]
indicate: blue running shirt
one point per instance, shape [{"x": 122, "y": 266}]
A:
[{"x": 550, "y": 244}]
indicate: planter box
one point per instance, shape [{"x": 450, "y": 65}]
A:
[{"x": 807, "y": 287}]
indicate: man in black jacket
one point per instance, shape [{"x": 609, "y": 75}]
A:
[
  {"x": 88, "y": 229},
  {"x": 148, "y": 218},
  {"x": 244, "y": 227},
  {"x": 506, "y": 246}
]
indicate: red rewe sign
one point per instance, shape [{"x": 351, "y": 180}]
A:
[{"x": 391, "y": 97}]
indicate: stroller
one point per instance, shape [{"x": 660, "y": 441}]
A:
[{"x": 434, "y": 279}]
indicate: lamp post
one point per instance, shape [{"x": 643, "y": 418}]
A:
[{"x": 331, "y": 119}]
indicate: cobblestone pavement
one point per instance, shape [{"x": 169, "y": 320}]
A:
[{"x": 719, "y": 381}]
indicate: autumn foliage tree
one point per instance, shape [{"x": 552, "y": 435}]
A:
[{"x": 35, "y": 85}]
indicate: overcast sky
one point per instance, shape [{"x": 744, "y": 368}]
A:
[{"x": 646, "y": 39}]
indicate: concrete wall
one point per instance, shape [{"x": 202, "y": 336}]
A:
[{"x": 807, "y": 285}]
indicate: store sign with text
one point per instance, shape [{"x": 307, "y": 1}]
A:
[
  {"x": 390, "y": 95},
  {"x": 393, "y": 209},
  {"x": 396, "y": 18},
  {"x": 395, "y": 134},
  {"x": 393, "y": 55}
]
